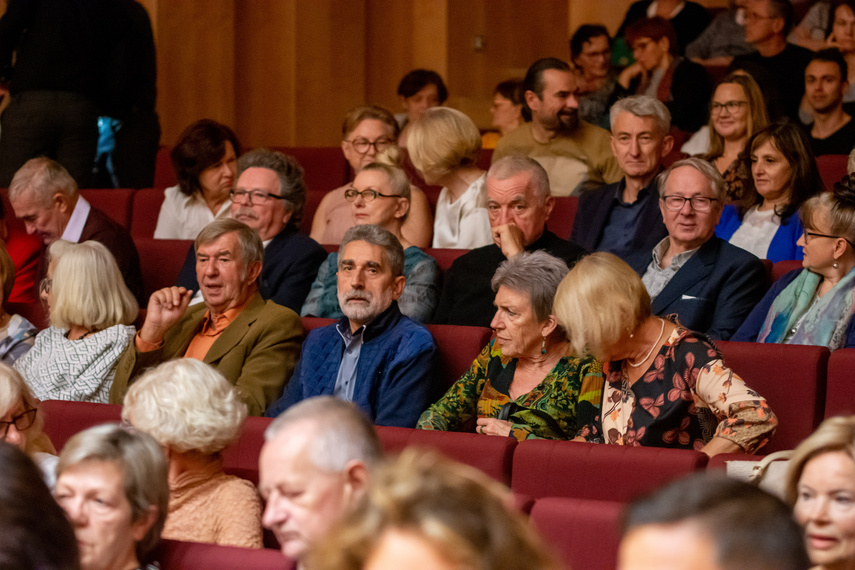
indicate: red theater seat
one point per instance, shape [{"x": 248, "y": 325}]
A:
[
  {"x": 781, "y": 268},
  {"x": 458, "y": 346},
  {"x": 164, "y": 173},
  {"x": 840, "y": 398},
  {"x": 146, "y": 208},
  {"x": 324, "y": 168},
  {"x": 445, "y": 257},
  {"x": 161, "y": 261},
  {"x": 790, "y": 377},
  {"x": 178, "y": 555},
  {"x": 832, "y": 167},
  {"x": 313, "y": 200},
  {"x": 582, "y": 533},
  {"x": 34, "y": 312},
  {"x": 547, "y": 468},
  {"x": 241, "y": 458},
  {"x": 64, "y": 419},
  {"x": 492, "y": 455},
  {"x": 563, "y": 215},
  {"x": 115, "y": 202}
]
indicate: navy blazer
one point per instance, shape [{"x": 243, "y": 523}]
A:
[
  {"x": 595, "y": 206},
  {"x": 715, "y": 290},
  {"x": 291, "y": 262}
]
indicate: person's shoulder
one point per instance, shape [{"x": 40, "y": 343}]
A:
[
  {"x": 412, "y": 334},
  {"x": 591, "y": 133},
  {"x": 235, "y": 491},
  {"x": 596, "y": 195},
  {"x": 796, "y": 52},
  {"x": 478, "y": 257},
  {"x": 521, "y": 137},
  {"x": 734, "y": 256}
]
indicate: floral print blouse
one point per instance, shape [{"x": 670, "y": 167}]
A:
[
  {"x": 686, "y": 397},
  {"x": 568, "y": 397}
]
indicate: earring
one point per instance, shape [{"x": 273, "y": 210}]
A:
[
  {"x": 543, "y": 346},
  {"x": 836, "y": 265}
]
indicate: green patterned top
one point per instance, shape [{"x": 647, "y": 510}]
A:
[{"x": 570, "y": 395}]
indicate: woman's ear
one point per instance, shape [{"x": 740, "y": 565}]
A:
[
  {"x": 548, "y": 326},
  {"x": 403, "y": 207}
]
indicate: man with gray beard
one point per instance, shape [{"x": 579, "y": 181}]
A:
[{"x": 375, "y": 357}]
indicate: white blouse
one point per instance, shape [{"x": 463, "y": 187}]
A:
[
  {"x": 464, "y": 223},
  {"x": 183, "y": 217},
  {"x": 757, "y": 231}
]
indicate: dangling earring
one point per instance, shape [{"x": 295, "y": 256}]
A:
[
  {"x": 543, "y": 346},
  {"x": 836, "y": 265}
]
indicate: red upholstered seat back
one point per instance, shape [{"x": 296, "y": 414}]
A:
[
  {"x": 832, "y": 167},
  {"x": 444, "y": 257},
  {"x": 324, "y": 168},
  {"x": 115, "y": 202},
  {"x": 64, "y": 419},
  {"x": 164, "y": 173},
  {"x": 146, "y": 208},
  {"x": 241, "y": 458},
  {"x": 547, "y": 468},
  {"x": 178, "y": 555},
  {"x": 492, "y": 455},
  {"x": 582, "y": 533},
  {"x": 457, "y": 347},
  {"x": 161, "y": 261},
  {"x": 563, "y": 215},
  {"x": 790, "y": 377},
  {"x": 781, "y": 268},
  {"x": 840, "y": 398}
]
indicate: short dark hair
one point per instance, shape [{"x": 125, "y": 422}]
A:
[
  {"x": 749, "y": 527},
  {"x": 511, "y": 90},
  {"x": 292, "y": 185},
  {"x": 200, "y": 146},
  {"x": 534, "y": 82},
  {"x": 832, "y": 55},
  {"x": 784, "y": 9},
  {"x": 654, "y": 28},
  {"x": 418, "y": 79},
  {"x": 584, "y": 34}
]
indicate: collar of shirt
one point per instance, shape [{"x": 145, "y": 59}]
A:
[
  {"x": 77, "y": 220},
  {"x": 213, "y": 327},
  {"x": 375, "y": 328},
  {"x": 677, "y": 261}
]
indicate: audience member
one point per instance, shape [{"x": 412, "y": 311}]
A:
[
  {"x": 814, "y": 305},
  {"x": 314, "y": 467},
  {"x": 112, "y": 484},
  {"x": 841, "y": 35},
  {"x": 22, "y": 421},
  {"x": 194, "y": 413},
  {"x": 444, "y": 148},
  {"x": 380, "y": 195},
  {"x": 712, "y": 522},
  {"x": 17, "y": 334},
  {"x": 574, "y": 153},
  {"x": 269, "y": 197},
  {"x": 45, "y": 197},
  {"x": 624, "y": 218},
  {"x": 683, "y": 85},
  {"x": 205, "y": 163},
  {"x": 777, "y": 66},
  {"x": 519, "y": 203},
  {"x": 832, "y": 130},
  {"x": 811, "y": 32},
  {"x": 253, "y": 343},
  {"x": 91, "y": 324},
  {"x": 591, "y": 54},
  {"x": 783, "y": 175},
  {"x": 687, "y": 18},
  {"x": 506, "y": 110},
  {"x": 723, "y": 39},
  {"x": 736, "y": 113},
  {"x": 820, "y": 481},
  {"x": 367, "y": 131},
  {"x": 420, "y": 89},
  {"x": 374, "y": 356},
  {"x": 425, "y": 511},
  {"x": 709, "y": 284},
  {"x": 36, "y": 533},
  {"x": 666, "y": 386},
  {"x": 525, "y": 383}
]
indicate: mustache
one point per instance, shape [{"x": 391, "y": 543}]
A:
[
  {"x": 244, "y": 211},
  {"x": 354, "y": 294}
]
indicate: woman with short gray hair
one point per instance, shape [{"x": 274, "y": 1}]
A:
[{"x": 526, "y": 383}]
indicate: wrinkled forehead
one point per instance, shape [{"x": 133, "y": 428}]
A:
[
  {"x": 516, "y": 187},
  {"x": 686, "y": 181},
  {"x": 362, "y": 253},
  {"x": 259, "y": 178}
]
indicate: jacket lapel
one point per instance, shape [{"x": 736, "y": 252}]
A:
[
  {"x": 696, "y": 269},
  {"x": 233, "y": 333}
]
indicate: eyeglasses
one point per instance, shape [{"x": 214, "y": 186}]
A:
[
  {"x": 811, "y": 235},
  {"x": 756, "y": 16},
  {"x": 731, "y": 106},
  {"x": 362, "y": 145},
  {"x": 22, "y": 421},
  {"x": 256, "y": 197},
  {"x": 45, "y": 286},
  {"x": 368, "y": 195},
  {"x": 699, "y": 203}
]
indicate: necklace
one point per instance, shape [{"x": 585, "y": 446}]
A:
[{"x": 652, "y": 348}]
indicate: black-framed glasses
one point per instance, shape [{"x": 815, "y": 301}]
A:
[
  {"x": 368, "y": 194},
  {"x": 256, "y": 197},
  {"x": 22, "y": 421},
  {"x": 699, "y": 203},
  {"x": 811, "y": 235},
  {"x": 731, "y": 106},
  {"x": 361, "y": 145}
]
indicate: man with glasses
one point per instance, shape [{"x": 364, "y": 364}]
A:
[
  {"x": 268, "y": 197},
  {"x": 710, "y": 285}
]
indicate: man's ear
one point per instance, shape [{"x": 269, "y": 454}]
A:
[
  {"x": 253, "y": 271},
  {"x": 532, "y": 100},
  {"x": 62, "y": 201},
  {"x": 667, "y": 146},
  {"x": 398, "y": 286},
  {"x": 549, "y": 204},
  {"x": 356, "y": 480},
  {"x": 778, "y": 25}
]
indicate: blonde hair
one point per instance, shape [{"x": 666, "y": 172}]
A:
[
  {"x": 460, "y": 511},
  {"x": 7, "y": 273},
  {"x": 14, "y": 389},
  {"x": 186, "y": 405},
  {"x": 599, "y": 301},
  {"x": 441, "y": 140},
  {"x": 88, "y": 289},
  {"x": 834, "y": 434}
]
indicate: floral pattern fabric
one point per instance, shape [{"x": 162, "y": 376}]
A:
[
  {"x": 568, "y": 397},
  {"x": 735, "y": 179},
  {"x": 686, "y": 397}
]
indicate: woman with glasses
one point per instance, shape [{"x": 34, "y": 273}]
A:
[
  {"x": 368, "y": 131},
  {"x": 91, "y": 323},
  {"x": 205, "y": 162},
  {"x": 444, "y": 146},
  {"x": 814, "y": 305},
  {"x": 380, "y": 195},
  {"x": 783, "y": 175},
  {"x": 21, "y": 423},
  {"x": 736, "y": 113}
]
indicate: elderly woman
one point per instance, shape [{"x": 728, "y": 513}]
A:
[
  {"x": 112, "y": 485},
  {"x": 380, "y": 196},
  {"x": 821, "y": 487},
  {"x": 21, "y": 423},
  {"x": 783, "y": 175},
  {"x": 91, "y": 316},
  {"x": 424, "y": 511},
  {"x": 205, "y": 162},
  {"x": 526, "y": 383},
  {"x": 814, "y": 305},
  {"x": 367, "y": 131},
  {"x": 17, "y": 334},
  {"x": 444, "y": 146},
  {"x": 665, "y": 386},
  {"x": 194, "y": 413}
]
